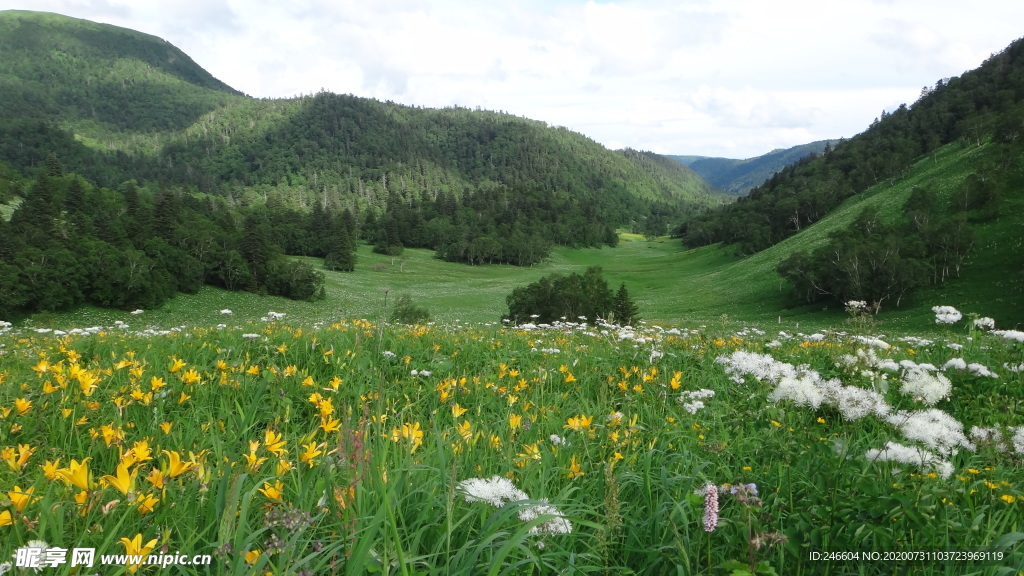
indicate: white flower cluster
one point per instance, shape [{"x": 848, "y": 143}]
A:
[
  {"x": 1010, "y": 334},
  {"x": 870, "y": 359},
  {"x": 979, "y": 370},
  {"x": 857, "y": 307},
  {"x": 946, "y": 314},
  {"x": 933, "y": 428},
  {"x": 924, "y": 386},
  {"x": 227, "y": 312},
  {"x": 499, "y": 491},
  {"x": 985, "y": 323},
  {"x": 693, "y": 400},
  {"x": 872, "y": 341},
  {"x": 273, "y": 316},
  {"x": 557, "y": 440},
  {"x": 803, "y": 386},
  {"x": 996, "y": 437},
  {"x": 894, "y": 452}
]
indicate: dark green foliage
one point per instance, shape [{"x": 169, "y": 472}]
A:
[
  {"x": 572, "y": 298},
  {"x": 624, "y": 311},
  {"x": 882, "y": 262},
  {"x": 407, "y": 312},
  {"x": 70, "y": 243},
  {"x": 294, "y": 279}
]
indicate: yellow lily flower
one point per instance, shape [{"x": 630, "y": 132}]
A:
[
  {"x": 134, "y": 547},
  {"x": 76, "y": 474},
  {"x": 123, "y": 482}
]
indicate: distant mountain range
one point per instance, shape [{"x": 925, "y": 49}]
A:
[{"x": 738, "y": 177}]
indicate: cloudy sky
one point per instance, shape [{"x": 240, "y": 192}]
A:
[{"x": 733, "y": 78}]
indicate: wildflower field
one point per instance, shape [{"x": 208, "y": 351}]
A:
[{"x": 353, "y": 447}]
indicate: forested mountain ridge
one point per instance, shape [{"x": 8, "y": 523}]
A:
[
  {"x": 740, "y": 176},
  {"x": 114, "y": 105},
  {"x": 100, "y": 76},
  {"x": 984, "y": 103},
  {"x": 128, "y": 173}
]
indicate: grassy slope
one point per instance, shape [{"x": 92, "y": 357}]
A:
[{"x": 670, "y": 284}]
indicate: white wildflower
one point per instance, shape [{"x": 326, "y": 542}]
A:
[
  {"x": 933, "y": 428},
  {"x": 894, "y": 452},
  {"x": 984, "y": 323},
  {"x": 801, "y": 391},
  {"x": 855, "y": 403},
  {"x": 1018, "y": 440},
  {"x": 986, "y": 435},
  {"x": 557, "y": 440},
  {"x": 497, "y": 491},
  {"x": 1010, "y": 334},
  {"x": 557, "y": 524},
  {"x": 981, "y": 370},
  {"x": 925, "y": 386},
  {"x": 957, "y": 363},
  {"x": 946, "y": 314}
]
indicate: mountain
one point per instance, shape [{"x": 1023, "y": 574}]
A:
[
  {"x": 99, "y": 76},
  {"x": 128, "y": 173},
  {"x": 927, "y": 200},
  {"x": 738, "y": 177},
  {"x": 114, "y": 104}
]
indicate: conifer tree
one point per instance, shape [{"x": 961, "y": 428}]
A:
[{"x": 624, "y": 311}]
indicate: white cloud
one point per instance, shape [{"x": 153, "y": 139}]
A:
[{"x": 715, "y": 77}]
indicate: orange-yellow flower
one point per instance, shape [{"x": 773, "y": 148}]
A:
[
  {"x": 275, "y": 443},
  {"x": 123, "y": 481},
  {"x": 87, "y": 382},
  {"x": 309, "y": 452},
  {"x": 146, "y": 503},
  {"x": 166, "y": 427},
  {"x": 574, "y": 469},
  {"x": 515, "y": 421},
  {"x": 6, "y": 518},
  {"x": 22, "y": 406},
  {"x": 275, "y": 491},
  {"x": 465, "y": 430},
  {"x": 458, "y": 411},
  {"x": 190, "y": 376},
  {"x": 25, "y": 451},
  {"x": 157, "y": 479},
  {"x": 175, "y": 467},
  {"x": 76, "y": 474},
  {"x": 579, "y": 423},
  {"x": 135, "y": 550},
  {"x": 21, "y": 498},
  {"x": 176, "y": 364}
]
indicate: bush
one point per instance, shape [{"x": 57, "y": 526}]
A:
[
  {"x": 570, "y": 297},
  {"x": 407, "y": 312}
]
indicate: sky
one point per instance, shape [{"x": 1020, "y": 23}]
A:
[{"x": 730, "y": 78}]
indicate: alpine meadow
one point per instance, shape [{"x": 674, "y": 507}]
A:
[{"x": 334, "y": 335}]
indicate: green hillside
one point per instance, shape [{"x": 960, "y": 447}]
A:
[
  {"x": 738, "y": 177},
  {"x": 114, "y": 104},
  {"x": 100, "y": 78},
  {"x": 132, "y": 158}
]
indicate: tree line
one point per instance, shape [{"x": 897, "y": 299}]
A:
[{"x": 69, "y": 242}]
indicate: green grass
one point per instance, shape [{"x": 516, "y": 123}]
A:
[
  {"x": 329, "y": 450},
  {"x": 670, "y": 284}
]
